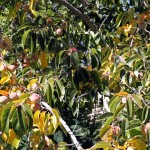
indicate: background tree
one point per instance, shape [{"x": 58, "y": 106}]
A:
[{"x": 74, "y": 74}]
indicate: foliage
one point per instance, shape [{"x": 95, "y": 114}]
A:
[{"x": 84, "y": 61}]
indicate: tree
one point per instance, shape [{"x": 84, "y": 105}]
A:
[{"x": 74, "y": 74}]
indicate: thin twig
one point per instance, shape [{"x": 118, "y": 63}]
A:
[{"x": 103, "y": 22}]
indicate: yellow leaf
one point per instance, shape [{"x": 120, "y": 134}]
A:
[
  {"x": 122, "y": 93},
  {"x": 89, "y": 68},
  {"x": 43, "y": 60},
  {"x": 54, "y": 122},
  {"x": 13, "y": 80},
  {"x": 3, "y": 92},
  {"x": 55, "y": 118},
  {"x": 4, "y": 137},
  {"x": 136, "y": 143},
  {"x": 108, "y": 135},
  {"x": 32, "y": 6},
  {"x": 116, "y": 40},
  {"x": 13, "y": 139},
  {"x": 4, "y": 80},
  {"x": 119, "y": 30},
  {"x": 8, "y": 43},
  {"x": 46, "y": 124},
  {"x": 4, "y": 52},
  {"x": 11, "y": 136},
  {"x": 36, "y": 117},
  {"x": 31, "y": 82},
  {"x": 35, "y": 138},
  {"x": 134, "y": 26},
  {"x": 42, "y": 121}
]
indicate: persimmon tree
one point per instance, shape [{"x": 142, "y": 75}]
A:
[{"x": 74, "y": 74}]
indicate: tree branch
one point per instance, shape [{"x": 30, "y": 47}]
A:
[
  {"x": 72, "y": 136},
  {"x": 84, "y": 3},
  {"x": 85, "y": 18}
]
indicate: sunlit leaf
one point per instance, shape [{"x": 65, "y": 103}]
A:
[
  {"x": 5, "y": 120},
  {"x": 24, "y": 38},
  {"x": 43, "y": 60},
  {"x": 3, "y": 92},
  {"x": 13, "y": 139},
  {"x": 4, "y": 80},
  {"x": 101, "y": 144},
  {"x": 136, "y": 143}
]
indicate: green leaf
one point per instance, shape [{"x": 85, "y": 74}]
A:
[
  {"x": 137, "y": 98},
  {"x": 133, "y": 126},
  {"x": 130, "y": 61},
  {"x": 27, "y": 109},
  {"x": 101, "y": 144},
  {"x": 114, "y": 102},
  {"x": 145, "y": 114},
  {"x": 130, "y": 108},
  {"x": 96, "y": 77},
  {"x": 24, "y": 38},
  {"x": 134, "y": 132},
  {"x": 49, "y": 93},
  {"x": 95, "y": 62},
  {"x": 109, "y": 120},
  {"x": 33, "y": 43},
  {"x": 103, "y": 130},
  {"x": 118, "y": 110},
  {"x": 15, "y": 124},
  {"x": 61, "y": 89},
  {"x": 119, "y": 19},
  {"x": 42, "y": 39},
  {"x": 131, "y": 13},
  {"x": 72, "y": 96},
  {"x": 24, "y": 97},
  {"x": 75, "y": 59},
  {"x": 125, "y": 19},
  {"x": 140, "y": 52},
  {"x": 5, "y": 118},
  {"x": 24, "y": 26},
  {"x": 59, "y": 58},
  {"x": 105, "y": 115},
  {"x": 21, "y": 119},
  {"x": 29, "y": 115}
]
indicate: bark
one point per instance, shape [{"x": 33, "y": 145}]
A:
[
  {"x": 66, "y": 127},
  {"x": 84, "y": 3},
  {"x": 85, "y": 18}
]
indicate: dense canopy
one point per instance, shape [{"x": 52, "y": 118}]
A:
[{"x": 75, "y": 74}]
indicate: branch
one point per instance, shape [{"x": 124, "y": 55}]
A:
[
  {"x": 103, "y": 22},
  {"x": 72, "y": 136},
  {"x": 85, "y": 18},
  {"x": 84, "y": 3}
]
